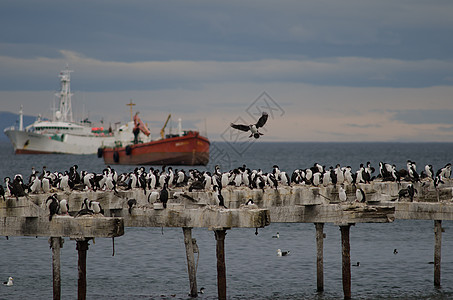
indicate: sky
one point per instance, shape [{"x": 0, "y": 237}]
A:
[{"x": 325, "y": 70}]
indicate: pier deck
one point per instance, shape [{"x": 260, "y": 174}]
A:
[{"x": 29, "y": 216}]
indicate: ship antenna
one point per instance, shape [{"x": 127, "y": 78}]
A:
[
  {"x": 130, "y": 104},
  {"x": 64, "y": 112}
]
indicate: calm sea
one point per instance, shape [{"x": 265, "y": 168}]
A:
[{"x": 150, "y": 263}]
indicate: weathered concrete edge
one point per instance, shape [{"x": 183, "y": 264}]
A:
[
  {"x": 62, "y": 226},
  {"x": 207, "y": 217}
]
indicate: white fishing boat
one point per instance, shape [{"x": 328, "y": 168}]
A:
[{"x": 62, "y": 134}]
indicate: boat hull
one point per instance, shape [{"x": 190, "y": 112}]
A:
[
  {"x": 191, "y": 149},
  {"x": 33, "y": 143}
]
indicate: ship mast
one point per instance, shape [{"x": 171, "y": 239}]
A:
[
  {"x": 64, "y": 112},
  {"x": 130, "y": 104},
  {"x": 21, "y": 118}
]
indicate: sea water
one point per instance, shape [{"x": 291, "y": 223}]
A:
[{"x": 150, "y": 263}]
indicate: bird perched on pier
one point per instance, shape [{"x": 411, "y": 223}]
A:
[
  {"x": 220, "y": 197},
  {"x": 131, "y": 203},
  {"x": 163, "y": 195},
  {"x": 408, "y": 192},
  {"x": 84, "y": 210},
  {"x": 428, "y": 172},
  {"x": 342, "y": 194},
  {"x": 253, "y": 127},
  {"x": 445, "y": 171},
  {"x": 2, "y": 192},
  {"x": 53, "y": 206},
  {"x": 152, "y": 197},
  {"x": 35, "y": 184},
  {"x": 282, "y": 253},
  {"x": 64, "y": 207},
  {"x": 17, "y": 187},
  {"x": 9, "y": 282},
  {"x": 96, "y": 207},
  {"x": 360, "y": 195}
]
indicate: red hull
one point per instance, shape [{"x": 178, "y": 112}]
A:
[
  {"x": 23, "y": 151},
  {"x": 191, "y": 149}
]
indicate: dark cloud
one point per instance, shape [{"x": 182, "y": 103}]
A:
[
  {"x": 424, "y": 116},
  {"x": 333, "y": 43},
  {"x": 230, "y": 30}
]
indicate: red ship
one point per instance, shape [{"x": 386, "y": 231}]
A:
[
  {"x": 186, "y": 148},
  {"x": 189, "y": 149}
]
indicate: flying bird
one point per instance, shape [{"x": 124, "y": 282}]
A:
[{"x": 253, "y": 127}]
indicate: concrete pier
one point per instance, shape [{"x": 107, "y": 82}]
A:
[{"x": 28, "y": 216}]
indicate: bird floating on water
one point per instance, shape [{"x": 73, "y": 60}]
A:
[
  {"x": 253, "y": 127},
  {"x": 276, "y": 236},
  {"x": 282, "y": 253},
  {"x": 9, "y": 282}
]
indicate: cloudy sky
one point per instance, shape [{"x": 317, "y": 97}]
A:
[{"x": 327, "y": 70}]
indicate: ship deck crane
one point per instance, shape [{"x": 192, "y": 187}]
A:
[{"x": 162, "y": 131}]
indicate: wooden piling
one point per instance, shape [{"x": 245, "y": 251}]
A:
[
  {"x": 346, "y": 260},
  {"x": 437, "y": 250},
  {"x": 191, "y": 269},
  {"x": 320, "y": 256},
  {"x": 221, "y": 269},
  {"x": 82, "y": 247},
  {"x": 56, "y": 243}
]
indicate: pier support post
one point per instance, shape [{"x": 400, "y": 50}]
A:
[
  {"x": 319, "y": 256},
  {"x": 346, "y": 260},
  {"x": 56, "y": 243},
  {"x": 221, "y": 269},
  {"x": 82, "y": 247},
  {"x": 437, "y": 250},
  {"x": 191, "y": 269}
]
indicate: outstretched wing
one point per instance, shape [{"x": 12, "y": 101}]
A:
[
  {"x": 262, "y": 120},
  {"x": 240, "y": 127}
]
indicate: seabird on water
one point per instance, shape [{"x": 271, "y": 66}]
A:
[
  {"x": 282, "y": 253},
  {"x": 276, "y": 236},
  {"x": 253, "y": 127},
  {"x": 9, "y": 282}
]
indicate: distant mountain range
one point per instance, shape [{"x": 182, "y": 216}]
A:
[{"x": 8, "y": 119}]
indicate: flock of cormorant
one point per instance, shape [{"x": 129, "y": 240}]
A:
[{"x": 156, "y": 182}]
